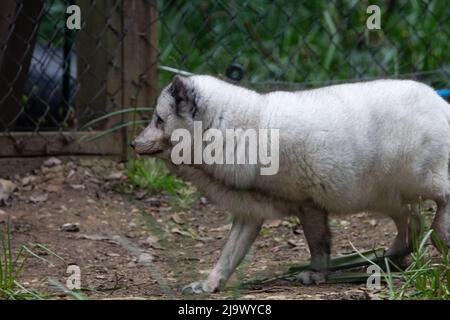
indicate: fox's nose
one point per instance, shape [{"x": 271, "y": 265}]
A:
[{"x": 132, "y": 145}]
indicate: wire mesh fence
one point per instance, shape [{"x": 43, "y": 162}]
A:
[
  {"x": 54, "y": 80},
  {"x": 299, "y": 43}
]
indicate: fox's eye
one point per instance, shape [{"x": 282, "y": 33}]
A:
[{"x": 159, "y": 120}]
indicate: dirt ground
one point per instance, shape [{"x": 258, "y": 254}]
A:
[{"x": 134, "y": 245}]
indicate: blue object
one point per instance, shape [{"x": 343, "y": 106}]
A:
[{"x": 444, "y": 93}]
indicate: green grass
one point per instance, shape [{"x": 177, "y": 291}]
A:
[
  {"x": 11, "y": 266},
  {"x": 152, "y": 174},
  {"x": 426, "y": 277}
]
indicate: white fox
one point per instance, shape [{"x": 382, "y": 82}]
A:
[{"x": 373, "y": 146}]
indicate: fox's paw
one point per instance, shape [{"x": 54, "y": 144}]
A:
[
  {"x": 199, "y": 287},
  {"x": 308, "y": 277}
]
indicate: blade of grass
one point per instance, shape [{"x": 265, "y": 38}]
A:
[
  {"x": 111, "y": 130},
  {"x": 49, "y": 251},
  {"x": 115, "y": 113},
  {"x": 60, "y": 286},
  {"x": 31, "y": 293},
  {"x": 349, "y": 261},
  {"x": 10, "y": 256}
]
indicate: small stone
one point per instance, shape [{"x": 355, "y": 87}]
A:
[
  {"x": 94, "y": 237},
  {"x": 70, "y": 174},
  {"x": 3, "y": 215},
  {"x": 344, "y": 223},
  {"x": 78, "y": 186},
  {"x": 52, "y": 162},
  {"x": 141, "y": 194},
  {"x": 39, "y": 198},
  {"x": 154, "y": 202},
  {"x": 114, "y": 176},
  {"x": 145, "y": 258},
  {"x": 50, "y": 171},
  {"x": 293, "y": 243},
  {"x": 28, "y": 180},
  {"x": 176, "y": 218},
  {"x": 70, "y": 227},
  {"x": 223, "y": 228},
  {"x": 151, "y": 240},
  {"x": 113, "y": 254},
  {"x": 373, "y": 222},
  {"x": 6, "y": 189},
  {"x": 54, "y": 188},
  {"x": 274, "y": 224},
  {"x": 132, "y": 225},
  {"x": 27, "y": 188}
]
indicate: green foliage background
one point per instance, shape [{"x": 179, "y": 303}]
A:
[{"x": 307, "y": 42}]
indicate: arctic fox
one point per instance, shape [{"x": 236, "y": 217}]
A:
[{"x": 374, "y": 146}]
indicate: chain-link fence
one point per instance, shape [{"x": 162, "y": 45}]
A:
[{"x": 54, "y": 80}]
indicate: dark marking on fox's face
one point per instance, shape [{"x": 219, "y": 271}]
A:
[{"x": 176, "y": 108}]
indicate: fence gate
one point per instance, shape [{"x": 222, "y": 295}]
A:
[{"x": 53, "y": 80}]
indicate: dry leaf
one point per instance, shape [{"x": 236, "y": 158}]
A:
[
  {"x": 6, "y": 189},
  {"x": 39, "y": 198}
]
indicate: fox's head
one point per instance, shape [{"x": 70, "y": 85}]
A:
[{"x": 176, "y": 108}]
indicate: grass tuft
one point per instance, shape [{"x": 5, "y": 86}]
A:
[
  {"x": 153, "y": 175},
  {"x": 11, "y": 266}
]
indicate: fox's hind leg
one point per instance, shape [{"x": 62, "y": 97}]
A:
[
  {"x": 441, "y": 224},
  {"x": 409, "y": 224},
  {"x": 318, "y": 236}
]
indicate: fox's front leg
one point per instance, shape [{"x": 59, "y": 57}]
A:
[{"x": 242, "y": 235}]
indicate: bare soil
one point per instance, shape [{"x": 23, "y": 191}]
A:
[{"x": 132, "y": 244}]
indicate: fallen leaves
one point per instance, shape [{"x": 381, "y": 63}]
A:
[
  {"x": 294, "y": 243},
  {"x": 151, "y": 242},
  {"x": 54, "y": 188},
  {"x": 176, "y": 218},
  {"x": 28, "y": 180},
  {"x": 7, "y": 187},
  {"x": 3, "y": 215},
  {"x": 225, "y": 227},
  {"x": 52, "y": 162},
  {"x": 145, "y": 258},
  {"x": 70, "y": 227},
  {"x": 273, "y": 224},
  {"x": 94, "y": 237},
  {"x": 39, "y": 198},
  {"x": 185, "y": 232},
  {"x": 78, "y": 186},
  {"x": 117, "y": 175}
]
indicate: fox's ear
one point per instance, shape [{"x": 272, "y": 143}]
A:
[{"x": 183, "y": 91}]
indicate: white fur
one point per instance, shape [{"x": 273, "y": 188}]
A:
[{"x": 371, "y": 146}]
